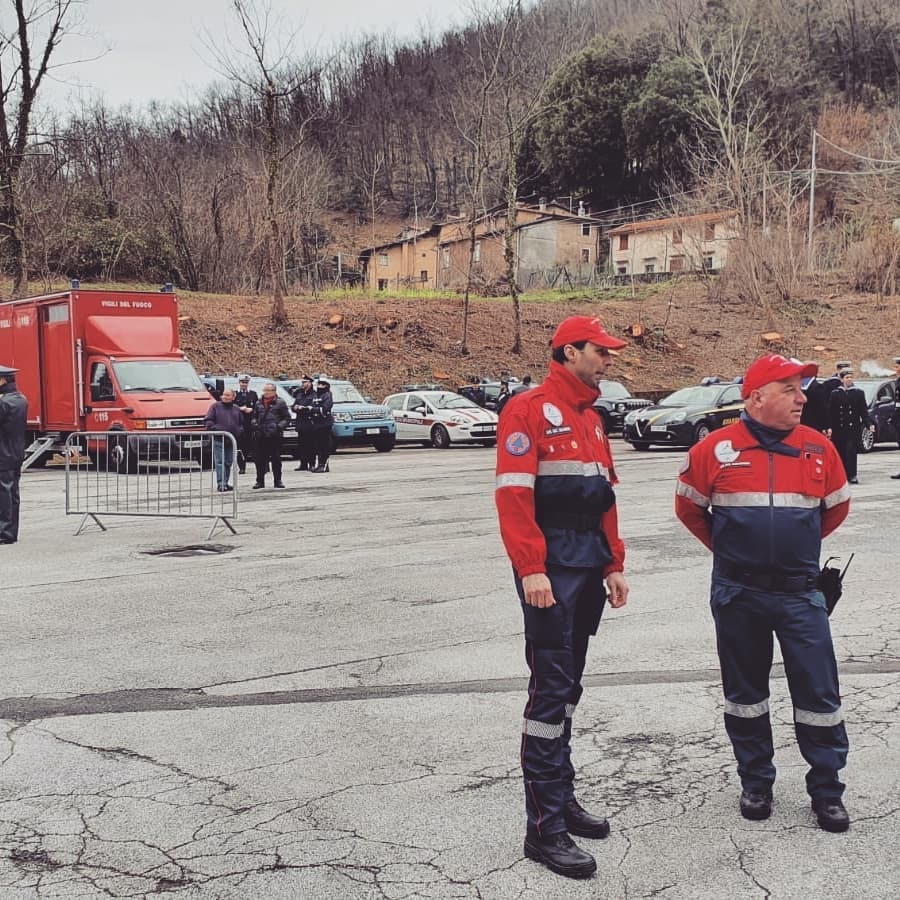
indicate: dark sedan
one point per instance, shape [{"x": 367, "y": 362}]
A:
[
  {"x": 880, "y": 399},
  {"x": 614, "y": 402},
  {"x": 685, "y": 417}
]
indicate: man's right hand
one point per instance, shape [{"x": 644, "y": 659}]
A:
[{"x": 538, "y": 591}]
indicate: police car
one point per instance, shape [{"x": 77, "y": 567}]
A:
[
  {"x": 879, "y": 393},
  {"x": 685, "y": 417},
  {"x": 441, "y": 418}
]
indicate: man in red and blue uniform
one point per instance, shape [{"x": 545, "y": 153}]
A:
[
  {"x": 558, "y": 521},
  {"x": 761, "y": 494}
]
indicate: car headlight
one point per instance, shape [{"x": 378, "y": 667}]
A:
[
  {"x": 678, "y": 416},
  {"x": 631, "y": 418},
  {"x": 459, "y": 420},
  {"x": 343, "y": 417},
  {"x": 156, "y": 423}
]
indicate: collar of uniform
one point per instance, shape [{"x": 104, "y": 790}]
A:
[
  {"x": 743, "y": 439},
  {"x": 563, "y": 380}
]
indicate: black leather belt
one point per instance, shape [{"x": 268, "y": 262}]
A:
[
  {"x": 570, "y": 521},
  {"x": 768, "y": 581}
]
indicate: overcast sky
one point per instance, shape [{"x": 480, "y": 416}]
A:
[{"x": 154, "y": 49}]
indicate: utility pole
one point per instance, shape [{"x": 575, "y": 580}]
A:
[{"x": 812, "y": 199}]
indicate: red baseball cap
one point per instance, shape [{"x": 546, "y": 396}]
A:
[
  {"x": 774, "y": 367},
  {"x": 584, "y": 328}
]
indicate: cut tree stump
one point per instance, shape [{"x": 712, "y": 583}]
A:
[
  {"x": 328, "y": 348},
  {"x": 772, "y": 337},
  {"x": 335, "y": 320},
  {"x": 242, "y": 329}
]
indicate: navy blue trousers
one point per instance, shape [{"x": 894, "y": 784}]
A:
[
  {"x": 745, "y": 624},
  {"x": 556, "y": 642}
]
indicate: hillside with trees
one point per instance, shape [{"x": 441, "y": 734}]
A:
[{"x": 631, "y": 108}]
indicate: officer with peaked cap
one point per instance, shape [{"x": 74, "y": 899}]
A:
[
  {"x": 13, "y": 417},
  {"x": 849, "y": 415},
  {"x": 559, "y": 524}
]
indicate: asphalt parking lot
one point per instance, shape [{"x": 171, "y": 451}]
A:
[{"x": 328, "y": 704}]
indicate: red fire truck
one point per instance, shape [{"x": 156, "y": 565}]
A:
[{"x": 92, "y": 360}]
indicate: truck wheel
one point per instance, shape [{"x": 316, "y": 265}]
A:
[
  {"x": 385, "y": 444},
  {"x": 119, "y": 458},
  {"x": 439, "y": 437}
]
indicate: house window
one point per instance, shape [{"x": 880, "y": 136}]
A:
[
  {"x": 445, "y": 258},
  {"x": 382, "y": 259},
  {"x": 423, "y": 276},
  {"x": 649, "y": 268},
  {"x": 623, "y": 241},
  {"x": 382, "y": 284},
  {"x": 707, "y": 263},
  {"x": 476, "y": 255},
  {"x": 676, "y": 236},
  {"x": 676, "y": 264},
  {"x": 585, "y": 229},
  {"x": 622, "y": 270},
  {"x": 709, "y": 231},
  {"x": 585, "y": 254}
]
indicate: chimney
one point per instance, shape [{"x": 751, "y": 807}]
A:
[
  {"x": 542, "y": 204},
  {"x": 580, "y": 207}
]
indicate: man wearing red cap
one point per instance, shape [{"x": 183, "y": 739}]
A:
[
  {"x": 761, "y": 494},
  {"x": 559, "y": 525}
]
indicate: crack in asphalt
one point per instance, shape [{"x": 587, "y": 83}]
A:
[{"x": 131, "y": 700}]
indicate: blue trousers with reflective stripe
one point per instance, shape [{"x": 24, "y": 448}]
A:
[
  {"x": 556, "y": 643},
  {"x": 745, "y": 623}
]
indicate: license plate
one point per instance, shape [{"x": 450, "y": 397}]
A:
[
  {"x": 191, "y": 445},
  {"x": 658, "y": 428},
  {"x": 373, "y": 431}
]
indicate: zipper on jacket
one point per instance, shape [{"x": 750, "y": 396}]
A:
[{"x": 771, "y": 508}]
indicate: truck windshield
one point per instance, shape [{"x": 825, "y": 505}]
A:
[{"x": 157, "y": 375}]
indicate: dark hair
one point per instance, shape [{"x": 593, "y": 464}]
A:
[{"x": 559, "y": 353}]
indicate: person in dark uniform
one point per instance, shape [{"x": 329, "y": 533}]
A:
[
  {"x": 559, "y": 524},
  {"x": 849, "y": 414},
  {"x": 245, "y": 400},
  {"x": 13, "y": 417},
  {"x": 761, "y": 494},
  {"x": 270, "y": 418},
  {"x": 897, "y": 403},
  {"x": 304, "y": 399},
  {"x": 816, "y": 410},
  {"x": 322, "y": 420}
]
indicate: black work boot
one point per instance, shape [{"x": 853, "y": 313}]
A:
[
  {"x": 756, "y": 805},
  {"x": 579, "y": 821},
  {"x": 560, "y": 854},
  {"x": 830, "y": 814}
]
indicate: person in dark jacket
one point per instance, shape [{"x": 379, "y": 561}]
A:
[
  {"x": 897, "y": 402},
  {"x": 13, "y": 416},
  {"x": 245, "y": 400},
  {"x": 304, "y": 400},
  {"x": 270, "y": 418},
  {"x": 223, "y": 415},
  {"x": 849, "y": 414},
  {"x": 322, "y": 420}
]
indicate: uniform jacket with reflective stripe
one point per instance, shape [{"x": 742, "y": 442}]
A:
[
  {"x": 761, "y": 510},
  {"x": 554, "y": 462},
  {"x": 13, "y": 416}
]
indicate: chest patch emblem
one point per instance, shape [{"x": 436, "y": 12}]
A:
[
  {"x": 552, "y": 414},
  {"x": 725, "y": 453},
  {"x": 518, "y": 443}
]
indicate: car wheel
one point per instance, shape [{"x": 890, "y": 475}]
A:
[
  {"x": 641, "y": 445},
  {"x": 439, "y": 437},
  {"x": 866, "y": 441},
  {"x": 700, "y": 432},
  {"x": 488, "y": 443},
  {"x": 385, "y": 444}
]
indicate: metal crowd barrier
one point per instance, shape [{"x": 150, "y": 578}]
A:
[{"x": 171, "y": 474}]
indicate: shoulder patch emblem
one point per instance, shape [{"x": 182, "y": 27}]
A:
[
  {"x": 552, "y": 414},
  {"x": 518, "y": 443}
]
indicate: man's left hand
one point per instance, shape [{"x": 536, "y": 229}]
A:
[{"x": 617, "y": 588}]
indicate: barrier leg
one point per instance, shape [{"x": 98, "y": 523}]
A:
[
  {"x": 84, "y": 522},
  {"x": 215, "y": 525}
]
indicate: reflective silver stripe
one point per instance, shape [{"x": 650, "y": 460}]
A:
[
  {"x": 692, "y": 494},
  {"x": 747, "y": 710},
  {"x": 572, "y": 467},
  {"x": 841, "y": 495},
  {"x": 542, "y": 729},
  {"x": 761, "y": 498},
  {"x": 570, "y": 710},
  {"x": 515, "y": 479},
  {"x": 821, "y": 720}
]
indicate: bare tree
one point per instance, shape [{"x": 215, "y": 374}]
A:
[
  {"x": 25, "y": 53},
  {"x": 264, "y": 69}
]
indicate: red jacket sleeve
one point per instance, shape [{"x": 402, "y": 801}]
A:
[
  {"x": 610, "y": 525},
  {"x": 517, "y": 462},
  {"x": 692, "y": 497}
]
